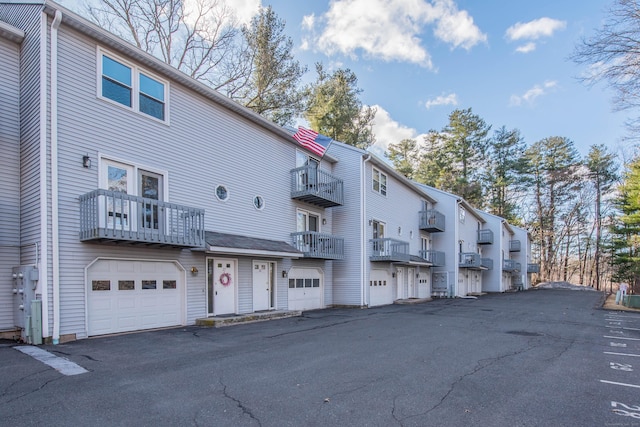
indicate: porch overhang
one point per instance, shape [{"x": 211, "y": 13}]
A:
[{"x": 233, "y": 244}]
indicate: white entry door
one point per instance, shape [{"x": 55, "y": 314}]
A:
[
  {"x": 411, "y": 283},
  {"x": 222, "y": 285},
  {"x": 400, "y": 283},
  {"x": 262, "y": 285}
]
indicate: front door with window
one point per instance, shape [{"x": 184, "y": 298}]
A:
[
  {"x": 120, "y": 179},
  {"x": 262, "y": 285},
  {"x": 150, "y": 187},
  {"x": 378, "y": 233},
  {"x": 221, "y": 286},
  {"x": 307, "y": 223}
]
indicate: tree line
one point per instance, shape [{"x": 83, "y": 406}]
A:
[{"x": 583, "y": 217}]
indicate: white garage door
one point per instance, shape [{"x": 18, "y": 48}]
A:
[
  {"x": 305, "y": 289},
  {"x": 381, "y": 291},
  {"x": 128, "y": 296}
]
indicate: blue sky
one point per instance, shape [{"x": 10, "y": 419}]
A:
[{"x": 418, "y": 60}]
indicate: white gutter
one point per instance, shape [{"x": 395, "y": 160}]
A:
[
  {"x": 363, "y": 225},
  {"x": 55, "y": 240},
  {"x": 44, "y": 207}
]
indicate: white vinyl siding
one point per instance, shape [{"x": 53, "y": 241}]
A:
[{"x": 9, "y": 175}]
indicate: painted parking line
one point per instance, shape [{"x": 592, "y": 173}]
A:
[
  {"x": 622, "y": 354},
  {"x": 622, "y": 384},
  {"x": 622, "y": 338},
  {"x": 64, "y": 366}
]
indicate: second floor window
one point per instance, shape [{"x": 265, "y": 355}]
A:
[
  {"x": 131, "y": 87},
  {"x": 379, "y": 182}
]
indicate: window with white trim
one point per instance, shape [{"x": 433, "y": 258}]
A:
[
  {"x": 128, "y": 85},
  {"x": 379, "y": 182}
]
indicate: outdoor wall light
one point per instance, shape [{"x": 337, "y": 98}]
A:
[
  {"x": 284, "y": 274},
  {"x": 324, "y": 221},
  {"x": 86, "y": 161},
  {"x": 194, "y": 270},
  {"x": 370, "y": 222}
]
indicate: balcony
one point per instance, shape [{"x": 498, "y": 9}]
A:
[
  {"x": 516, "y": 281},
  {"x": 318, "y": 245},
  {"x": 117, "y": 217},
  {"x": 436, "y": 258},
  {"x": 431, "y": 220},
  {"x": 389, "y": 250},
  {"x": 514, "y": 245},
  {"x": 485, "y": 237},
  {"x": 533, "y": 268},
  {"x": 312, "y": 185},
  {"x": 510, "y": 265},
  {"x": 486, "y": 263},
  {"x": 469, "y": 260}
]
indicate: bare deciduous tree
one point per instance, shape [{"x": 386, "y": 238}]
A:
[{"x": 198, "y": 37}]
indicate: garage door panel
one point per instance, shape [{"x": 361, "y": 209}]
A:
[
  {"x": 305, "y": 289},
  {"x": 143, "y": 295}
]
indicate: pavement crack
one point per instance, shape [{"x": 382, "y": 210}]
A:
[
  {"x": 5, "y": 392},
  {"x": 480, "y": 365},
  {"x": 238, "y": 402}
]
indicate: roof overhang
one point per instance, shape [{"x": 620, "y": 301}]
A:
[{"x": 233, "y": 244}]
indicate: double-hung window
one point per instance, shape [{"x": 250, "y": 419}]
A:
[
  {"x": 379, "y": 182},
  {"x": 132, "y": 87}
]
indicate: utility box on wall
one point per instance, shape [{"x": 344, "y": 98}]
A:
[{"x": 27, "y": 310}]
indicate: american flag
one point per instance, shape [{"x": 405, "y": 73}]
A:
[{"x": 312, "y": 140}]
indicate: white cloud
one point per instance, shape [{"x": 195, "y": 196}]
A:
[
  {"x": 244, "y": 10},
  {"x": 533, "y": 30},
  {"x": 451, "y": 99},
  {"x": 526, "y": 48},
  {"x": 456, "y": 27},
  {"x": 390, "y": 30},
  {"x": 532, "y": 94},
  {"x": 388, "y": 131}
]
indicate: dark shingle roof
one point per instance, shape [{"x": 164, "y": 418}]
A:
[{"x": 234, "y": 241}]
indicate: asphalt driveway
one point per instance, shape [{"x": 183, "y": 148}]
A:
[{"x": 534, "y": 358}]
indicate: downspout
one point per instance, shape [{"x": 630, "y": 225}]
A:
[
  {"x": 456, "y": 269},
  {"x": 55, "y": 240},
  {"x": 363, "y": 225},
  {"x": 43, "y": 279}
]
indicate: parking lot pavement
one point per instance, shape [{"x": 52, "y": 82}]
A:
[{"x": 534, "y": 358}]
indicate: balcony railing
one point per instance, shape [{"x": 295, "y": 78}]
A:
[
  {"x": 469, "y": 260},
  {"x": 431, "y": 220},
  {"x": 318, "y": 245},
  {"x": 316, "y": 186},
  {"x": 486, "y": 263},
  {"x": 533, "y": 268},
  {"x": 436, "y": 258},
  {"x": 514, "y": 245},
  {"x": 389, "y": 250},
  {"x": 485, "y": 237},
  {"x": 510, "y": 265},
  {"x": 114, "y": 216}
]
